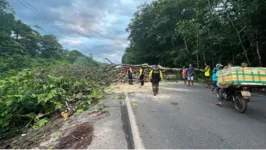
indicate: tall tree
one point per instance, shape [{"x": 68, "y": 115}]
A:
[{"x": 178, "y": 32}]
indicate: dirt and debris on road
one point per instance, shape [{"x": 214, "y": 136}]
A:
[
  {"x": 33, "y": 137},
  {"x": 79, "y": 138},
  {"x": 76, "y": 132},
  {"x": 79, "y": 131},
  {"x": 99, "y": 127}
]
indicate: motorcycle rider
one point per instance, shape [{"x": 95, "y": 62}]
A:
[
  {"x": 224, "y": 89},
  {"x": 244, "y": 65}
]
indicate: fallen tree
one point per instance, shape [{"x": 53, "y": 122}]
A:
[
  {"x": 169, "y": 73},
  {"x": 44, "y": 91},
  {"x": 147, "y": 66}
]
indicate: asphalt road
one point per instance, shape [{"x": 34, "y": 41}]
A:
[{"x": 182, "y": 117}]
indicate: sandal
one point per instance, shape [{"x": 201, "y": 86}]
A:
[{"x": 218, "y": 104}]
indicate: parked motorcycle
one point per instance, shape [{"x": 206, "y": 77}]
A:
[{"x": 238, "y": 95}]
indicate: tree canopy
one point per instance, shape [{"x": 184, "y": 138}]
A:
[
  {"x": 178, "y": 32},
  {"x": 21, "y": 46}
]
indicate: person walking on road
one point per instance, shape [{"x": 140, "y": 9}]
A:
[
  {"x": 130, "y": 76},
  {"x": 184, "y": 75},
  {"x": 190, "y": 75},
  {"x": 207, "y": 74},
  {"x": 141, "y": 75},
  {"x": 214, "y": 75},
  {"x": 155, "y": 77}
]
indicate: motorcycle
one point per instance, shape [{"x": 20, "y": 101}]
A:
[{"x": 238, "y": 95}]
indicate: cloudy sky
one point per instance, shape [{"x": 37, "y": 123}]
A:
[{"x": 90, "y": 26}]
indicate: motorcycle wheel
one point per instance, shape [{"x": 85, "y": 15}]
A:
[{"x": 240, "y": 104}]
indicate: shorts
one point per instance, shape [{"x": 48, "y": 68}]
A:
[
  {"x": 184, "y": 77},
  {"x": 190, "y": 78}
]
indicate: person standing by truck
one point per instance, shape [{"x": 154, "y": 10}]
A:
[{"x": 155, "y": 77}]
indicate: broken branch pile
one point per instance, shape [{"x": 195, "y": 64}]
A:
[
  {"x": 169, "y": 73},
  {"x": 30, "y": 97}
]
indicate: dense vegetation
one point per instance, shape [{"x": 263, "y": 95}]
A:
[
  {"x": 178, "y": 32},
  {"x": 38, "y": 77}
]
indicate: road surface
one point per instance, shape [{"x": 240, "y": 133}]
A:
[{"x": 182, "y": 117}]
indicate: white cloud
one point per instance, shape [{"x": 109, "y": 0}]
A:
[
  {"x": 90, "y": 26},
  {"x": 70, "y": 41},
  {"x": 127, "y": 1}
]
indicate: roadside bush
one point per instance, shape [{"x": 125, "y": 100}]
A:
[
  {"x": 30, "y": 93},
  {"x": 19, "y": 62}
]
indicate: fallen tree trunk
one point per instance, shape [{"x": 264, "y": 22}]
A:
[
  {"x": 151, "y": 66},
  {"x": 176, "y": 69}
]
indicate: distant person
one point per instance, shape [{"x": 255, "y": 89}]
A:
[
  {"x": 155, "y": 77},
  {"x": 229, "y": 65},
  {"x": 244, "y": 64},
  {"x": 184, "y": 75},
  {"x": 141, "y": 75},
  {"x": 207, "y": 74},
  {"x": 130, "y": 76},
  {"x": 214, "y": 75},
  {"x": 190, "y": 75}
]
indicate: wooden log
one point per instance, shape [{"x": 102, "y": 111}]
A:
[{"x": 151, "y": 66}]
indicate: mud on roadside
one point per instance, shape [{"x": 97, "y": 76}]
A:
[{"x": 74, "y": 133}]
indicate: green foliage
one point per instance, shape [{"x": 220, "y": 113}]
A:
[
  {"x": 43, "y": 90},
  {"x": 79, "y": 111},
  {"x": 75, "y": 57},
  {"x": 100, "y": 74},
  {"x": 96, "y": 94},
  {"x": 51, "y": 47},
  {"x": 18, "y": 62},
  {"x": 102, "y": 108},
  {"x": 55, "y": 134},
  {"x": 178, "y": 32},
  {"x": 40, "y": 123}
]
